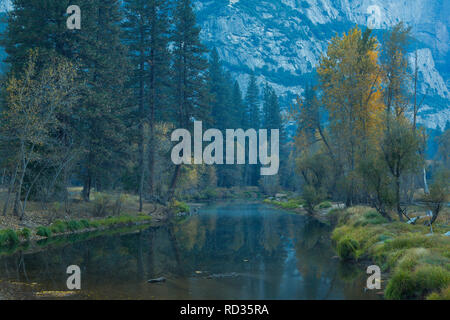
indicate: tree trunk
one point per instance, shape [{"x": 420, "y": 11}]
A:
[
  {"x": 397, "y": 197},
  {"x": 87, "y": 188},
  {"x": 10, "y": 190},
  {"x": 151, "y": 162},
  {"x": 173, "y": 183}
]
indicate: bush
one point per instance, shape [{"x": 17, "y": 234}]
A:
[
  {"x": 44, "y": 232},
  {"x": 412, "y": 285},
  {"x": 443, "y": 295},
  {"x": 85, "y": 223},
  {"x": 58, "y": 226},
  {"x": 346, "y": 248},
  {"x": 101, "y": 203},
  {"x": 325, "y": 205},
  {"x": 8, "y": 238},
  {"x": 25, "y": 233},
  {"x": 370, "y": 217},
  {"x": 179, "y": 207},
  {"x": 312, "y": 197},
  {"x": 74, "y": 225}
]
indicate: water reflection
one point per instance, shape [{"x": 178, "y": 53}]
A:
[{"x": 227, "y": 251}]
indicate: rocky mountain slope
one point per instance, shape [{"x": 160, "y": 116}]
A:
[{"x": 282, "y": 40}]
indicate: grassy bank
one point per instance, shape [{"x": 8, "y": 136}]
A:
[
  {"x": 210, "y": 194},
  {"x": 417, "y": 262},
  {"x": 10, "y": 238}
]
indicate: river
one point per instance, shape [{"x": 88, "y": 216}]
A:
[{"x": 229, "y": 250}]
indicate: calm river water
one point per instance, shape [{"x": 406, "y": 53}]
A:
[{"x": 231, "y": 250}]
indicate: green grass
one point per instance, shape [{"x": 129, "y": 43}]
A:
[
  {"x": 44, "y": 232},
  {"x": 289, "y": 205},
  {"x": 418, "y": 263},
  {"x": 74, "y": 225},
  {"x": 179, "y": 207},
  {"x": 25, "y": 233},
  {"x": 8, "y": 238},
  {"x": 58, "y": 227},
  {"x": 347, "y": 248}
]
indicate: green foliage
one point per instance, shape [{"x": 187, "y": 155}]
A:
[
  {"x": 325, "y": 205},
  {"x": 415, "y": 284},
  {"x": 58, "y": 226},
  {"x": 25, "y": 233},
  {"x": 8, "y": 238},
  {"x": 370, "y": 217},
  {"x": 289, "y": 205},
  {"x": 74, "y": 225},
  {"x": 312, "y": 196},
  {"x": 179, "y": 207},
  {"x": 347, "y": 248},
  {"x": 85, "y": 223},
  {"x": 419, "y": 263},
  {"x": 44, "y": 232},
  {"x": 439, "y": 193}
]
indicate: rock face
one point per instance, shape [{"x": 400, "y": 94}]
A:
[{"x": 283, "y": 40}]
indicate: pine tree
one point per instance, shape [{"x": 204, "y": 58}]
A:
[
  {"x": 221, "y": 93},
  {"x": 238, "y": 108},
  {"x": 191, "y": 97},
  {"x": 146, "y": 34},
  {"x": 37, "y": 24},
  {"x": 252, "y": 114},
  {"x": 252, "y": 120},
  {"x": 103, "y": 112}
]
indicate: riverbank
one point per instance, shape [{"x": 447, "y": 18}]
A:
[
  {"x": 104, "y": 211},
  {"x": 415, "y": 261}
]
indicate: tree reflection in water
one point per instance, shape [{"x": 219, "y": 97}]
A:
[{"x": 227, "y": 251}]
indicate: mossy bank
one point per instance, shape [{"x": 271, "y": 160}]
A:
[{"x": 417, "y": 262}]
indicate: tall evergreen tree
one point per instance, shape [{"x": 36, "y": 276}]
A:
[
  {"x": 37, "y": 24},
  {"x": 191, "y": 97},
  {"x": 103, "y": 112},
  {"x": 252, "y": 120},
  {"x": 238, "y": 107},
  {"x": 252, "y": 113},
  {"x": 146, "y": 35}
]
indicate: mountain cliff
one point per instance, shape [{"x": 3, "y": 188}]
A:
[{"x": 282, "y": 40}]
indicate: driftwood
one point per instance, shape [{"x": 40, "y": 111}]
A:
[{"x": 157, "y": 280}]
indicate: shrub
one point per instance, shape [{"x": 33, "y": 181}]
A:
[
  {"x": 8, "y": 238},
  {"x": 25, "y": 233},
  {"x": 44, "y": 232},
  {"x": 370, "y": 217},
  {"x": 346, "y": 248},
  {"x": 443, "y": 295},
  {"x": 412, "y": 285},
  {"x": 58, "y": 226},
  {"x": 325, "y": 205},
  {"x": 74, "y": 225},
  {"x": 101, "y": 203},
  {"x": 85, "y": 223},
  {"x": 312, "y": 197},
  {"x": 179, "y": 207}
]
